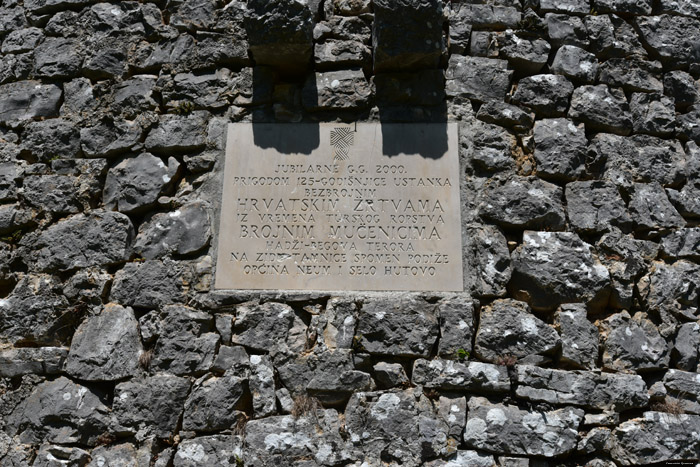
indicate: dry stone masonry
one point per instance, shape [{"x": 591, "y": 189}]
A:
[{"x": 575, "y": 340}]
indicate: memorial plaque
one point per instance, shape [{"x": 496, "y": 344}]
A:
[{"x": 333, "y": 207}]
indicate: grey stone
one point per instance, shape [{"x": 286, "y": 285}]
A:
[
  {"x": 135, "y": 183},
  {"x": 477, "y": 78},
  {"x": 683, "y": 243},
  {"x": 490, "y": 15},
  {"x": 525, "y": 55},
  {"x": 588, "y": 389},
  {"x": 656, "y": 437},
  {"x": 682, "y": 389},
  {"x": 490, "y": 147},
  {"x": 284, "y": 398},
  {"x": 673, "y": 38},
  {"x": 16, "y": 67},
  {"x": 231, "y": 358},
  {"x": 220, "y": 450},
  {"x": 687, "y": 126},
  {"x": 151, "y": 405},
  {"x": 40, "y": 7},
  {"x": 100, "y": 238},
  {"x": 22, "y": 40},
  {"x": 336, "y": 324},
  {"x": 456, "y": 315},
  {"x": 579, "y": 337},
  {"x": 650, "y": 208},
  {"x": 485, "y": 44},
  {"x": 194, "y": 15},
  {"x": 640, "y": 158},
  {"x": 10, "y": 174},
  {"x": 681, "y": 86},
  {"x": 280, "y": 33},
  {"x": 486, "y": 249},
  {"x": 686, "y": 201},
  {"x": 601, "y": 109},
  {"x": 33, "y": 312},
  {"x": 180, "y": 232},
  {"x": 11, "y": 18},
  {"x": 344, "y": 29},
  {"x": 522, "y": 202},
  {"x": 632, "y": 343},
  {"x": 204, "y": 90},
  {"x": 596, "y": 440},
  {"x": 560, "y": 149},
  {"x": 423, "y": 87},
  {"x": 110, "y": 138},
  {"x": 52, "y": 193},
  {"x": 630, "y": 7},
  {"x": 23, "y": 361},
  {"x": 176, "y": 53},
  {"x": 670, "y": 289},
  {"x": 341, "y": 54},
  {"x": 404, "y": 327},
  {"x": 50, "y": 455},
  {"x": 120, "y": 455},
  {"x": 449, "y": 375},
  {"x": 565, "y": 6},
  {"x": 390, "y": 375},
  {"x": 632, "y": 74},
  {"x": 78, "y": 97},
  {"x": 54, "y": 138},
  {"x": 60, "y": 411},
  {"x": 576, "y": 64},
  {"x": 13, "y": 217},
  {"x": 465, "y": 458},
  {"x": 452, "y": 408},
  {"x": 543, "y": 275},
  {"x": 509, "y": 430},
  {"x": 57, "y": 58},
  {"x": 135, "y": 95},
  {"x": 407, "y": 34},
  {"x": 653, "y": 114},
  {"x": 511, "y": 116},
  {"x": 213, "y": 404},
  {"x": 680, "y": 7},
  {"x": 269, "y": 327},
  {"x": 262, "y": 386},
  {"x": 602, "y": 419},
  {"x": 351, "y": 8},
  {"x": 508, "y": 328},
  {"x": 460, "y": 31},
  {"x": 686, "y": 347},
  {"x": 563, "y": 29},
  {"x": 107, "y": 62},
  {"x": 546, "y": 95},
  {"x": 594, "y": 206},
  {"x": 335, "y": 90},
  {"x": 106, "y": 347},
  {"x": 149, "y": 284},
  {"x": 176, "y": 133},
  {"x": 25, "y": 100}
]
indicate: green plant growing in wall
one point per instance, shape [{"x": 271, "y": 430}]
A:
[
  {"x": 462, "y": 354},
  {"x": 184, "y": 107}
]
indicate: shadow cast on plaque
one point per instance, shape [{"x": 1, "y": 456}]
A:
[
  {"x": 282, "y": 137},
  {"x": 426, "y": 104}
]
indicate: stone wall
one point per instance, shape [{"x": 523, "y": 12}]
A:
[{"x": 576, "y": 341}]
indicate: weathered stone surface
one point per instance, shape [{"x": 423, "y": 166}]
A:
[
  {"x": 687, "y": 124},
  {"x": 97, "y": 239},
  {"x": 563, "y": 29},
  {"x": 576, "y": 64},
  {"x": 53, "y": 193},
  {"x": 594, "y": 206},
  {"x": 601, "y": 109},
  {"x": 136, "y": 183},
  {"x": 336, "y": 324},
  {"x": 105, "y": 347},
  {"x": 543, "y": 274},
  {"x": 424, "y": 87},
  {"x": 486, "y": 250},
  {"x": 135, "y": 95},
  {"x": 280, "y": 33},
  {"x": 494, "y": 15},
  {"x": 456, "y": 325},
  {"x": 23, "y": 361},
  {"x": 565, "y": 6},
  {"x": 631, "y": 7},
  {"x": 650, "y": 209},
  {"x": 149, "y": 284},
  {"x": 686, "y": 347},
  {"x": 682, "y": 88},
  {"x": 176, "y": 133},
  {"x": 341, "y": 54},
  {"x": 508, "y": 328},
  {"x": 522, "y": 202},
  {"x": 52, "y": 139},
  {"x": 546, "y": 95},
  {"x": 632, "y": 74},
  {"x": 588, "y": 389},
  {"x": 269, "y": 327},
  {"x": 213, "y": 403},
  {"x": 466, "y": 458},
  {"x": 406, "y": 327},
  {"x": 560, "y": 149},
  {"x": 262, "y": 386},
  {"x": 671, "y": 289},
  {"x": 489, "y": 147},
  {"x": 26, "y": 100},
  {"x": 51, "y": 455},
  {"x": 683, "y": 243},
  {"x": 579, "y": 337},
  {"x": 471, "y": 376},
  {"x": 407, "y": 34},
  {"x": 680, "y": 7},
  {"x": 34, "y": 311},
  {"x": 152, "y": 405},
  {"x": 180, "y": 232},
  {"x": 57, "y": 57},
  {"x": 656, "y": 437},
  {"x": 509, "y": 430},
  {"x": 390, "y": 375},
  {"x": 632, "y": 343},
  {"x": 185, "y": 341},
  {"x": 653, "y": 114},
  {"x": 220, "y": 450},
  {"x": 525, "y": 55},
  {"x": 60, "y": 411},
  {"x": 507, "y": 115},
  {"x": 109, "y": 138},
  {"x": 120, "y": 455},
  {"x": 682, "y": 389},
  {"x": 671, "y": 37},
  {"x": 10, "y": 174},
  {"x": 336, "y": 90},
  {"x": 477, "y": 78}
]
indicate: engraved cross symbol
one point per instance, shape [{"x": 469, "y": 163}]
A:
[{"x": 341, "y": 140}]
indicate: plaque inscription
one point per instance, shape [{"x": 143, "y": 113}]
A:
[{"x": 333, "y": 207}]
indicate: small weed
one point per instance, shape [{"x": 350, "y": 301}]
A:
[
  {"x": 357, "y": 344},
  {"x": 184, "y": 107},
  {"x": 13, "y": 238},
  {"x": 239, "y": 462},
  {"x": 145, "y": 359},
  {"x": 507, "y": 360},
  {"x": 239, "y": 427},
  {"x": 431, "y": 394},
  {"x": 462, "y": 354},
  {"x": 105, "y": 439},
  {"x": 594, "y": 12},
  {"x": 671, "y": 406},
  {"x": 305, "y": 405},
  {"x": 54, "y": 158}
]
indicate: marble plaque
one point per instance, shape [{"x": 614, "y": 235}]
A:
[{"x": 339, "y": 207}]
